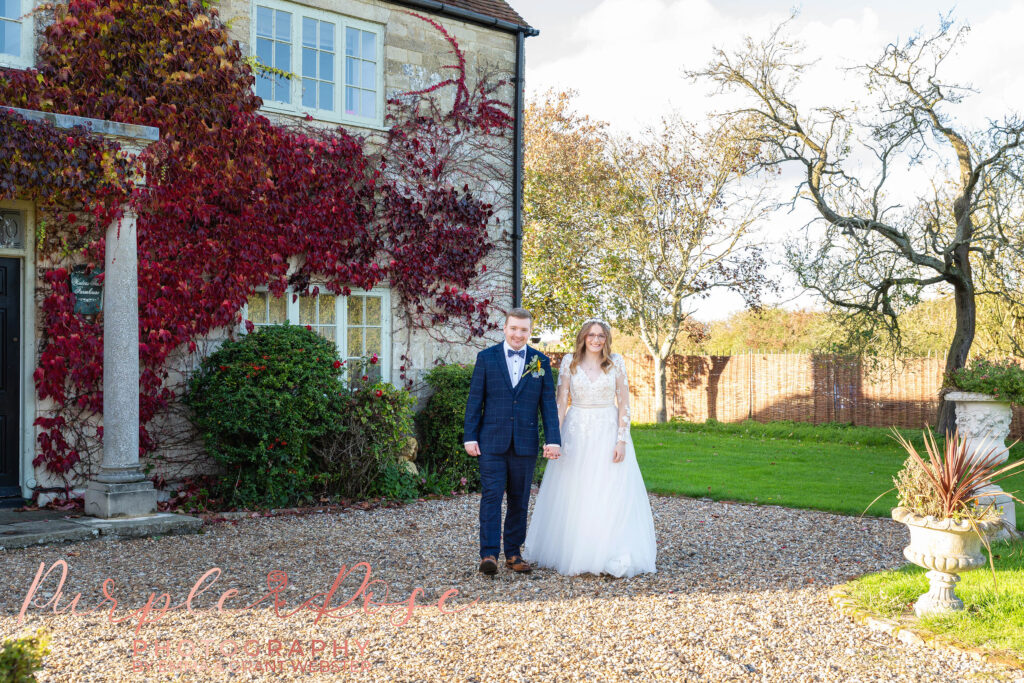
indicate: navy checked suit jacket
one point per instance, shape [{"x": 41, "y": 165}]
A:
[{"x": 495, "y": 410}]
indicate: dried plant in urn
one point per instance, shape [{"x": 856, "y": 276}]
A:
[{"x": 944, "y": 503}]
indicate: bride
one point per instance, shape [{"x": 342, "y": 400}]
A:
[{"x": 592, "y": 513}]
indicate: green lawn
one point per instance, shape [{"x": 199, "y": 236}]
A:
[
  {"x": 840, "y": 469},
  {"x": 994, "y": 614},
  {"x": 831, "y": 467}
]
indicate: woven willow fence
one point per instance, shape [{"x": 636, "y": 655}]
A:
[{"x": 803, "y": 387}]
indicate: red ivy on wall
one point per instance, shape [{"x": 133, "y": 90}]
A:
[{"x": 232, "y": 199}]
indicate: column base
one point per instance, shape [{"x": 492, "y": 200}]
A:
[{"x": 106, "y": 500}]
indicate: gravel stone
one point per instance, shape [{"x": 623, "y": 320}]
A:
[{"x": 740, "y": 595}]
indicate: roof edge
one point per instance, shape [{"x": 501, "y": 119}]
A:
[{"x": 467, "y": 15}]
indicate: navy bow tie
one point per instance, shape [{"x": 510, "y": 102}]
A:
[{"x": 521, "y": 353}]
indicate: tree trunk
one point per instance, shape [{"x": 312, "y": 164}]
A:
[
  {"x": 660, "y": 409},
  {"x": 963, "y": 337}
]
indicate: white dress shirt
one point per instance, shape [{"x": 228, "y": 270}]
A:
[{"x": 515, "y": 364}]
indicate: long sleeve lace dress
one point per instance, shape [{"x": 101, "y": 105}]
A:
[{"x": 592, "y": 515}]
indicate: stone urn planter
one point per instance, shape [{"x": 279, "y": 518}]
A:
[
  {"x": 946, "y": 548},
  {"x": 984, "y": 421}
]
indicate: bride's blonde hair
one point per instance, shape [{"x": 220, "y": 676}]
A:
[{"x": 581, "y": 345}]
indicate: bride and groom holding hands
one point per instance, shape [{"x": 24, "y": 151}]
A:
[{"x": 592, "y": 513}]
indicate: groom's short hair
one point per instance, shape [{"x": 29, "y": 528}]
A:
[{"x": 520, "y": 313}]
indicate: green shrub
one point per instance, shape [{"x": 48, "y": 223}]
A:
[
  {"x": 1002, "y": 379},
  {"x": 441, "y": 421},
  {"x": 368, "y": 432},
  {"x": 20, "y": 658},
  {"x": 397, "y": 483},
  {"x": 259, "y": 403},
  {"x": 440, "y": 425}
]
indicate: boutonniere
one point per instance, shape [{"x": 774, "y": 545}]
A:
[{"x": 534, "y": 367}]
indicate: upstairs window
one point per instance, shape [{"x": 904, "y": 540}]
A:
[
  {"x": 335, "y": 62},
  {"x": 274, "y": 49},
  {"x": 16, "y": 43}
]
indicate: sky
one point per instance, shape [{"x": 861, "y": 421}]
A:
[{"x": 627, "y": 60}]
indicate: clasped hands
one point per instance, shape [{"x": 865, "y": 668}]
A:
[{"x": 552, "y": 451}]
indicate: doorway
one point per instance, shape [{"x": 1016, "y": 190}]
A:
[{"x": 10, "y": 377}]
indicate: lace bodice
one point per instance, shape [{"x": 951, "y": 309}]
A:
[{"x": 608, "y": 389}]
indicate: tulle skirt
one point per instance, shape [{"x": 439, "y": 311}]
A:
[{"x": 592, "y": 515}]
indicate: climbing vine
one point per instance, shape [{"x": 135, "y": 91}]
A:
[{"x": 232, "y": 202}]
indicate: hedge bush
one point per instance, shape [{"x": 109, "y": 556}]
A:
[
  {"x": 20, "y": 658},
  {"x": 259, "y": 403},
  {"x": 441, "y": 421},
  {"x": 440, "y": 424},
  {"x": 367, "y": 435}
]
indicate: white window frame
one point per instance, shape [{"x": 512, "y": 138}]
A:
[
  {"x": 341, "y": 321},
  {"x": 26, "y": 60},
  {"x": 341, "y": 22}
]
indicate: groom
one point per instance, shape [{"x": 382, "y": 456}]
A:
[{"x": 510, "y": 383}]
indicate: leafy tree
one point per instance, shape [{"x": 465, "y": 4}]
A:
[
  {"x": 565, "y": 205},
  {"x": 877, "y": 251},
  {"x": 683, "y": 228}
]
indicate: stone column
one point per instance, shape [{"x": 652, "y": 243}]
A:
[{"x": 121, "y": 489}]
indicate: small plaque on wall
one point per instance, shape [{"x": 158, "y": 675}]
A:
[{"x": 88, "y": 292}]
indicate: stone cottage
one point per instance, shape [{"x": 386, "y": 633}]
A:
[{"x": 346, "y": 58}]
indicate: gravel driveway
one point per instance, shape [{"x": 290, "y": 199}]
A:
[{"x": 740, "y": 594}]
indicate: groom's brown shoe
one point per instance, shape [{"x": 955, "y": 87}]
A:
[
  {"x": 489, "y": 565},
  {"x": 518, "y": 564}
]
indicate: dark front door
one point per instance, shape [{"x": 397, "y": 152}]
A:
[{"x": 10, "y": 375}]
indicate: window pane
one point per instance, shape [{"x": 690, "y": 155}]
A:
[
  {"x": 355, "y": 311},
  {"x": 351, "y": 71},
  {"x": 326, "y": 66},
  {"x": 284, "y": 26},
  {"x": 327, "y": 306},
  {"x": 278, "y": 312},
  {"x": 373, "y": 310},
  {"x": 355, "y": 341},
  {"x": 368, "y": 103},
  {"x": 282, "y": 90},
  {"x": 265, "y": 51},
  {"x": 351, "y": 100},
  {"x": 369, "y": 78},
  {"x": 307, "y": 310},
  {"x": 308, "y": 63},
  {"x": 326, "y": 332},
  {"x": 265, "y": 87},
  {"x": 327, "y": 36},
  {"x": 264, "y": 22},
  {"x": 283, "y": 54},
  {"x": 369, "y": 45},
  {"x": 372, "y": 341},
  {"x": 10, "y": 9},
  {"x": 10, "y": 38},
  {"x": 352, "y": 42},
  {"x": 327, "y": 96},
  {"x": 258, "y": 308},
  {"x": 308, "y": 32},
  {"x": 309, "y": 94}
]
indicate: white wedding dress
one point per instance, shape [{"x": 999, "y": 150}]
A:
[{"x": 592, "y": 514}]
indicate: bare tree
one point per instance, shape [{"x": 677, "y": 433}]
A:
[{"x": 878, "y": 250}]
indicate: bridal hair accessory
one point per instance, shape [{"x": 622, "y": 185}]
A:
[{"x": 595, "y": 320}]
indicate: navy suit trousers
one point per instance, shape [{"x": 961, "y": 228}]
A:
[{"x": 500, "y": 474}]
